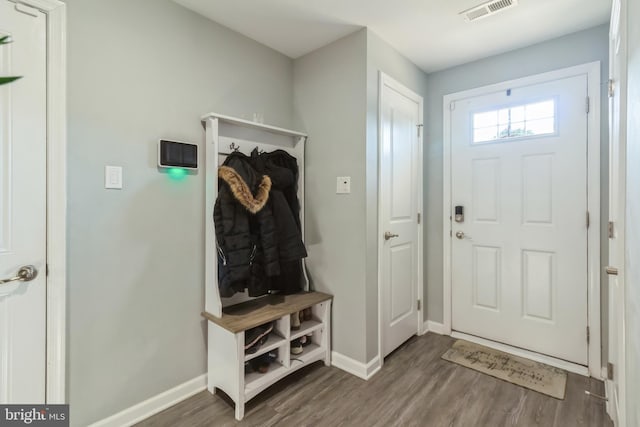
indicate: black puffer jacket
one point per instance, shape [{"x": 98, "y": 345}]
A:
[
  {"x": 245, "y": 229},
  {"x": 282, "y": 168}
]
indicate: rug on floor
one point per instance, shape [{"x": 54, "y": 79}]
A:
[{"x": 517, "y": 370}]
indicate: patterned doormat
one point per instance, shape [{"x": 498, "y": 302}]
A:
[{"x": 517, "y": 370}]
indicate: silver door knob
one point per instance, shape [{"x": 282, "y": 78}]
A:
[
  {"x": 25, "y": 274},
  {"x": 389, "y": 235},
  {"x": 612, "y": 271},
  {"x": 460, "y": 235}
]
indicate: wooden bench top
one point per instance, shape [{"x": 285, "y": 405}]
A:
[{"x": 249, "y": 314}]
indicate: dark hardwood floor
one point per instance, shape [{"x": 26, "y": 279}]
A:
[{"x": 414, "y": 388}]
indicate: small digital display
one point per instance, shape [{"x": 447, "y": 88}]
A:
[{"x": 178, "y": 154}]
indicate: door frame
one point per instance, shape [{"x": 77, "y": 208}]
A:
[
  {"x": 386, "y": 80},
  {"x": 592, "y": 71},
  {"x": 56, "y": 134}
]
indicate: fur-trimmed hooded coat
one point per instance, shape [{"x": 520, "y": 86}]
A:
[
  {"x": 257, "y": 221},
  {"x": 245, "y": 230}
]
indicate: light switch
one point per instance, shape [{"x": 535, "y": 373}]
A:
[
  {"x": 343, "y": 185},
  {"x": 113, "y": 177}
]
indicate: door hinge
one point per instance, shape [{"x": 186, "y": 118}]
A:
[
  {"x": 46, "y": 270},
  {"x": 418, "y": 217},
  {"x": 612, "y": 88},
  {"x": 452, "y": 106},
  {"x": 610, "y": 371},
  {"x": 588, "y": 335},
  {"x": 587, "y": 105},
  {"x": 419, "y": 127},
  {"x": 610, "y": 230},
  {"x": 588, "y": 220},
  {"x": 419, "y": 305}
]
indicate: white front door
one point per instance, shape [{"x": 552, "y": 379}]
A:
[
  {"x": 400, "y": 156},
  {"x": 519, "y": 253},
  {"x": 617, "y": 194},
  {"x": 22, "y": 205}
]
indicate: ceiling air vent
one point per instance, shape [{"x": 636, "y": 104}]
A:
[{"x": 487, "y": 9}]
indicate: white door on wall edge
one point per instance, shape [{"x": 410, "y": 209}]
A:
[
  {"x": 519, "y": 241},
  {"x": 401, "y": 112},
  {"x": 23, "y": 168},
  {"x": 617, "y": 207}
]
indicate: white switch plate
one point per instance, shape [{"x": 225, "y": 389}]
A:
[
  {"x": 113, "y": 177},
  {"x": 343, "y": 185}
]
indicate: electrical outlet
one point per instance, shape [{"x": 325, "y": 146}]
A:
[{"x": 343, "y": 185}]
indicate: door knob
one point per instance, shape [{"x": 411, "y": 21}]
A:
[
  {"x": 460, "y": 235},
  {"x": 389, "y": 235},
  {"x": 25, "y": 274},
  {"x": 612, "y": 271}
]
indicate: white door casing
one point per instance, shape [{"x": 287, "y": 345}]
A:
[
  {"x": 23, "y": 185},
  {"x": 522, "y": 198},
  {"x": 615, "y": 386},
  {"x": 400, "y": 204}
]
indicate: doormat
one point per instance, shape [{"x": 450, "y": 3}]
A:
[{"x": 526, "y": 373}]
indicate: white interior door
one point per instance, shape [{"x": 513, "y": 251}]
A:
[
  {"x": 617, "y": 191},
  {"x": 519, "y": 256},
  {"x": 401, "y": 112},
  {"x": 22, "y": 205}
]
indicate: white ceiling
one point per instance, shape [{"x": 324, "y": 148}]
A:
[{"x": 428, "y": 32}]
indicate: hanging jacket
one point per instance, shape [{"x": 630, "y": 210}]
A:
[
  {"x": 245, "y": 229},
  {"x": 282, "y": 168}
]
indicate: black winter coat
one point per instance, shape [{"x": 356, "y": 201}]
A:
[
  {"x": 257, "y": 221},
  {"x": 245, "y": 229}
]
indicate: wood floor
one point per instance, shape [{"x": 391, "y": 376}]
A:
[{"x": 414, "y": 388}]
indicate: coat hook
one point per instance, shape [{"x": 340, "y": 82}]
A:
[{"x": 234, "y": 147}]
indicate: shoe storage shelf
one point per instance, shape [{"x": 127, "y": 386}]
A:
[
  {"x": 229, "y": 318},
  {"x": 227, "y": 333}
]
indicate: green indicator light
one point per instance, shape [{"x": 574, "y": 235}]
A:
[{"x": 177, "y": 174}]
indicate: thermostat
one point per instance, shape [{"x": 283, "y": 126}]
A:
[{"x": 174, "y": 154}]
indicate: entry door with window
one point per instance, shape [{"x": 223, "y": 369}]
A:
[
  {"x": 22, "y": 206},
  {"x": 519, "y": 253}
]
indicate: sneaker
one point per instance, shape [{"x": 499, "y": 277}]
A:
[
  {"x": 305, "y": 340},
  {"x": 296, "y": 346},
  {"x": 295, "y": 321},
  {"x": 307, "y": 314},
  {"x": 255, "y": 337}
]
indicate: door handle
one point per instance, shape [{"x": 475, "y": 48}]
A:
[
  {"x": 25, "y": 274},
  {"x": 389, "y": 235},
  {"x": 460, "y": 234},
  {"x": 611, "y": 271}
]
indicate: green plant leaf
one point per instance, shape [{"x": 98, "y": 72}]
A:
[
  {"x": 5, "y": 40},
  {"x": 5, "y": 80}
]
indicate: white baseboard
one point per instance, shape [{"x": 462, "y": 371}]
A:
[
  {"x": 435, "y": 327},
  {"x": 155, "y": 404},
  {"x": 359, "y": 369}
]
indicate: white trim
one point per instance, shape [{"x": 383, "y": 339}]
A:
[
  {"x": 155, "y": 404},
  {"x": 359, "y": 369},
  {"x": 56, "y": 14},
  {"x": 532, "y": 355},
  {"x": 592, "y": 70},
  {"x": 435, "y": 327},
  {"x": 386, "y": 80}
]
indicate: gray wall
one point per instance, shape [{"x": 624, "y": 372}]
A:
[
  {"x": 336, "y": 102},
  {"x": 381, "y": 57},
  {"x": 330, "y": 105},
  {"x": 138, "y": 71},
  {"x": 574, "y": 49},
  {"x": 632, "y": 279}
]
